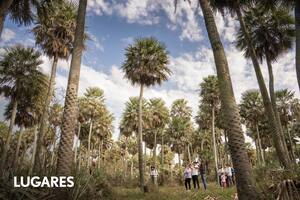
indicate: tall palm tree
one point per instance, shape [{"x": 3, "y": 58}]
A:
[
  {"x": 210, "y": 98},
  {"x": 54, "y": 33},
  {"x": 145, "y": 65},
  {"x": 251, "y": 109},
  {"x": 272, "y": 33},
  {"x": 65, "y": 154},
  {"x": 296, "y": 5},
  {"x": 245, "y": 183},
  {"x": 93, "y": 108},
  {"x": 159, "y": 117},
  {"x": 285, "y": 104},
  {"x": 237, "y": 7},
  {"x": 29, "y": 109},
  {"x": 180, "y": 127},
  {"x": 18, "y": 69}
]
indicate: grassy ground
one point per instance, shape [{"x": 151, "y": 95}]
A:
[{"x": 176, "y": 193}]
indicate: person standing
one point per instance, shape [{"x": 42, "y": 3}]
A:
[
  {"x": 195, "y": 173},
  {"x": 187, "y": 177},
  {"x": 154, "y": 175},
  {"x": 220, "y": 172},
  {"x": 233, "y": 175},
  {"x": 223, "y": 180},
  {"x": 202, "y": 174},
  {"x": 229, "y": 175}
]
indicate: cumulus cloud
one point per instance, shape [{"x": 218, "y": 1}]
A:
[
  {"x": 151, "y": 12},
  {"x": 7, "y": 35}
]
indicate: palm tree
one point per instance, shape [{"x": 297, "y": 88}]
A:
[
  {"x": 180, "y": 127},
  {"x": 273, "y": 33},
  {"x": 145, "y": 65},
  {"x": 29, "y": 108},
  {"x": 22, "y": 12},
  {"x": 54, "y": 33},
  {"x": 159, "y": 117},
  {"x": 65, "y": 155},
  {"x": 285, "y": 102},
  {"x": 19, "y": 74},
  {"x": 129, "y": 120},
  {"x": 296, "y": 5},
  {"x": 209, "y": 94},
  {"x": 236, "y": 7},
  {"x": 245, "y": 183},
  {"x": 251, "y": 109}
]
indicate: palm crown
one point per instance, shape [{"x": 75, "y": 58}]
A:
[
  {"x": 272, "y": 30},
  {"x": 146, "y": 62},
  {"x": 19, "y": 65},
  {"x": 54, "y": 32}
]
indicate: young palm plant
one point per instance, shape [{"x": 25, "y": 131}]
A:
[
  {"x": 145, "y": 65},
  {"x": 55, "y": 35},
  {"x": 19, "y": 68}
]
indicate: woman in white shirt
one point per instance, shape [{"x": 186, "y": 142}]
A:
[
  {"x": 154, "y": 175},
  {"x": 187, "y": 177}
]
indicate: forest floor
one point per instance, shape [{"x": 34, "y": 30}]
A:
[{"x": 176, "y": 193}]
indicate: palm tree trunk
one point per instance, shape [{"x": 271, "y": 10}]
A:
[
  {"x": 154, "y": 148},
  {"x": 131, "y": 168},
  {"x": 179, "y": 161},
  {"x": 89, "y": 146},
  {"x": 140, "y": 138},
  {"x": 16, "y": 159},
  {"x": 53, "y": 150},
  {"x": 292, "y": 155},
  {"x": 77, "y": 142},
  {"x": 100, "y": 151},
  {"x": 162, "y": 152},
  {"x": 9, "y": 134},
  {"x": 274, "y": 126},
  {"x": 258, "y": 153},
  {"x": 226, "y": 147},
  {"x": 189, "y": 153},
  {"x": 214, "y": 142},
  {"x": 236, "y": 141},
  {"x": 4, "y": 6},
  {"x": 297, "y": 23},
  {"x": 65, "y": 154},
  {"x": 44, "y": 117},
  {"x": 259, "y": 145},
  {"x": 273, "y": 98},
  {"x": 34, "y": 149}
]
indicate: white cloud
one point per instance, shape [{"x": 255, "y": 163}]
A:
[
  {"x": 127, "y": 40},
  {"x": 150, "y": 12},
  {"x": 95, "y": 41},
  {"x": 7, "y": 35}
]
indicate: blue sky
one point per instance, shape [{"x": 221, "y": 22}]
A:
[{"x": 113, "y": 25}]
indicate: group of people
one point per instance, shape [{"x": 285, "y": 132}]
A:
[
  {"x": 192, "y": 172},
  {"x": 226, "y": 176}
]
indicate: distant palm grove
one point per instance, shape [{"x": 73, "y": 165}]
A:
[{"x": 48, "y": 133}]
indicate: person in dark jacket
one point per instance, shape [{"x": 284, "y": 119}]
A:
[{"x": 202, "y": 174}]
